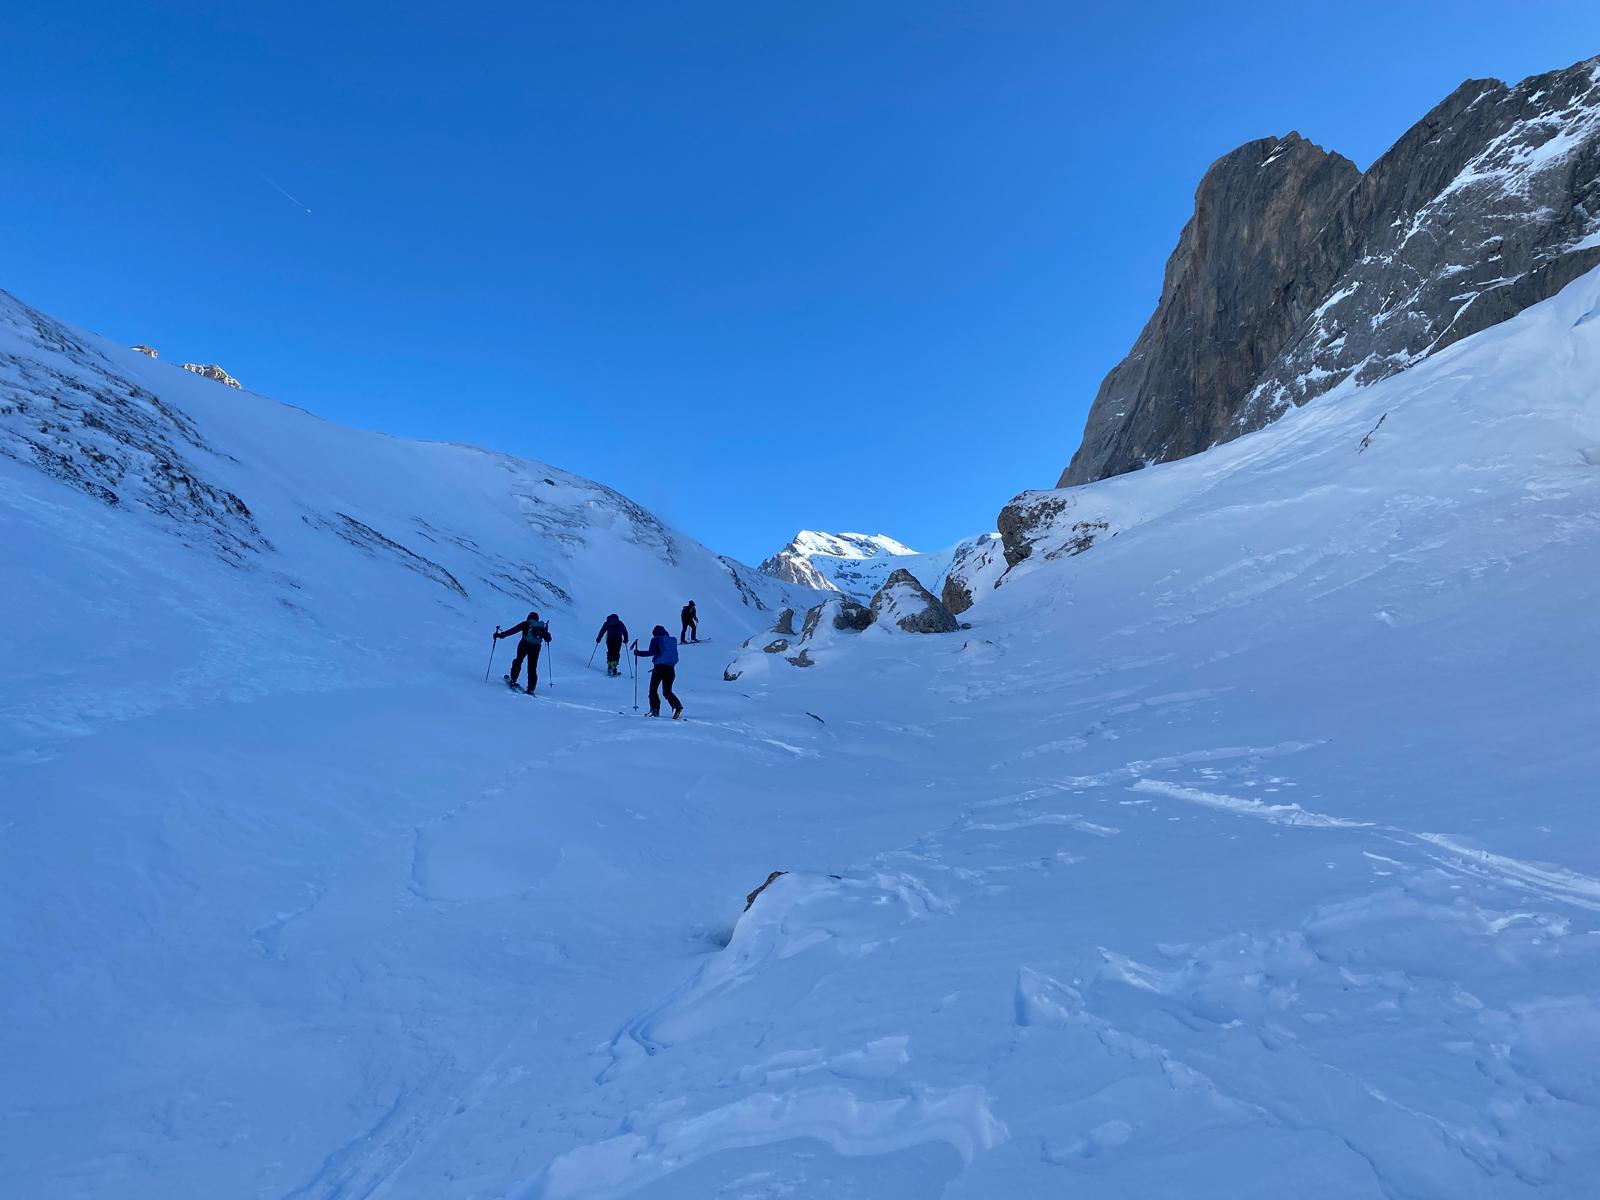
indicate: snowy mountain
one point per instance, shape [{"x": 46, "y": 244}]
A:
[
  {"x": 858, "y": 564},
  {"x": 236, "y": 545},
  {"x": 1297, "y": 271},
  {"x": 1245, "y": 845}
]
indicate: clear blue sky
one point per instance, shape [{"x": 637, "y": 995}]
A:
[{"x": 759, "y": 265}]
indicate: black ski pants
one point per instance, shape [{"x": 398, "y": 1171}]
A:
[
  {"x": 690, "y": 631},
  {"x": 661, "y": 681},
  {"x": 529, "y": 651}
]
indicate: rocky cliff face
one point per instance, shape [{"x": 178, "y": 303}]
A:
[
  {"x": 1245, "y": 275},
  {"x": 1298, "y": 272}
]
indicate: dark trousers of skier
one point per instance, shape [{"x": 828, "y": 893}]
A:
[
  {"x": 691, "y": 629},
  {"x": 530, "y": 651},
  {"x": 664, "y": 651},
  {"x": 531, "y": 635},
  {"x": 661, "y": 684},
  {"x": 614, "y": 632}
]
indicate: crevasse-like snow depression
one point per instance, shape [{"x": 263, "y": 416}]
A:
[{"x": 1254, "y": 852}]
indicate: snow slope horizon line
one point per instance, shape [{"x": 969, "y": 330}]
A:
[{"x": 137, "y": 367}]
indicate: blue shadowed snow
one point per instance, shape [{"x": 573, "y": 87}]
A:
[{"x": 1252, "y": 852}]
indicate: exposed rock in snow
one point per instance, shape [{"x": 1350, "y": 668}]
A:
[
  {"x": 751, "y": 898},
  {"x": 210, "y": 371},
  {"x": 903, "y": 603},
  {"x": 841, "y": 614},
  {"x": 1297, "y": 272},
  {"x": 823, "y": 623},
  {"x": 68, "y": 411},
  {"x": 1068, "y": 522},
  {"x": 150, "y": 351},
  {"x": 974, "y": 568}
]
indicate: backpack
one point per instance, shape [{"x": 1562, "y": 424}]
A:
[{"x": 536, "y": 632}]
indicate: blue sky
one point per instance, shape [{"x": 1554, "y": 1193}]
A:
[{"x": 761, "y": 266}]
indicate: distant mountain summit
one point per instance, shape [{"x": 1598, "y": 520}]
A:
[
  {"x": 837, "y": 562},
  {"x": 859, "y": 564},
  {"x": 1298, "y": 271}
]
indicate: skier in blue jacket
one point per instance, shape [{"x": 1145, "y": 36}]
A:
[{"x": 664, "y": 650}]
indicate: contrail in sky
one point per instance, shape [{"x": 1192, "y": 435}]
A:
[{"x": 283, "y": 193}]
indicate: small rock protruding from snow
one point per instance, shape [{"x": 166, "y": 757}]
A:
[
  {"x": 751, "y": 898},
  {"x": 143, "y": 349},
  {"x": 209, "y": 371},
  {"x": 823, "y": 622},
  {"x": 904, "y": 603}
]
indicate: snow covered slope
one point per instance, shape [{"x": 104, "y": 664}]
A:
[
  {"x": 1252, "y": 851},
  {"x": 857, "y": 564},
  {"x": 209, "y": 543}
]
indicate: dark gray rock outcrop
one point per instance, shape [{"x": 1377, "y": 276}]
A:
[
  {"x": 905, "y": 603},
  {"x": 847, "y": 615},
  {"x": 1054, "y": 519},
  {"x": 1246, "y": 273},
  {"x": 976, "y": 565},
  {"x": 1298, "y": 272}
]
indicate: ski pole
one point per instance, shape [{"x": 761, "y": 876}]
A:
[
  {"x": 493, "y": 642},
  {"x": 551, "y": 668},
  {"x": 633, "y": 664},
  {"x": 591, "y": 656}
]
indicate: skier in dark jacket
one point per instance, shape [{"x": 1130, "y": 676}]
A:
[
  {"x": 535, "y": 633},
  {"x": 691, "y": 624},
  {"x": 615, "y": 633},
  {"x": 664, "y": 650}
]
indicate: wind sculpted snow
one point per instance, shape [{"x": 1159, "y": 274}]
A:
[{"x": 1249, "y": 851}]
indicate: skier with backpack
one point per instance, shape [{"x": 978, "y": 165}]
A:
[
  {"x": 664, "y": 650},
  {"x": 615, "y": 633},
  {"x": 535, "y": 633},
  {"x": 691, "y": 624}
]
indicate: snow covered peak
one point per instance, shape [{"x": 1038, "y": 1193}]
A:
[
  {"x": 847, "y": 545},
  {"x": 858, "y": 564}
]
